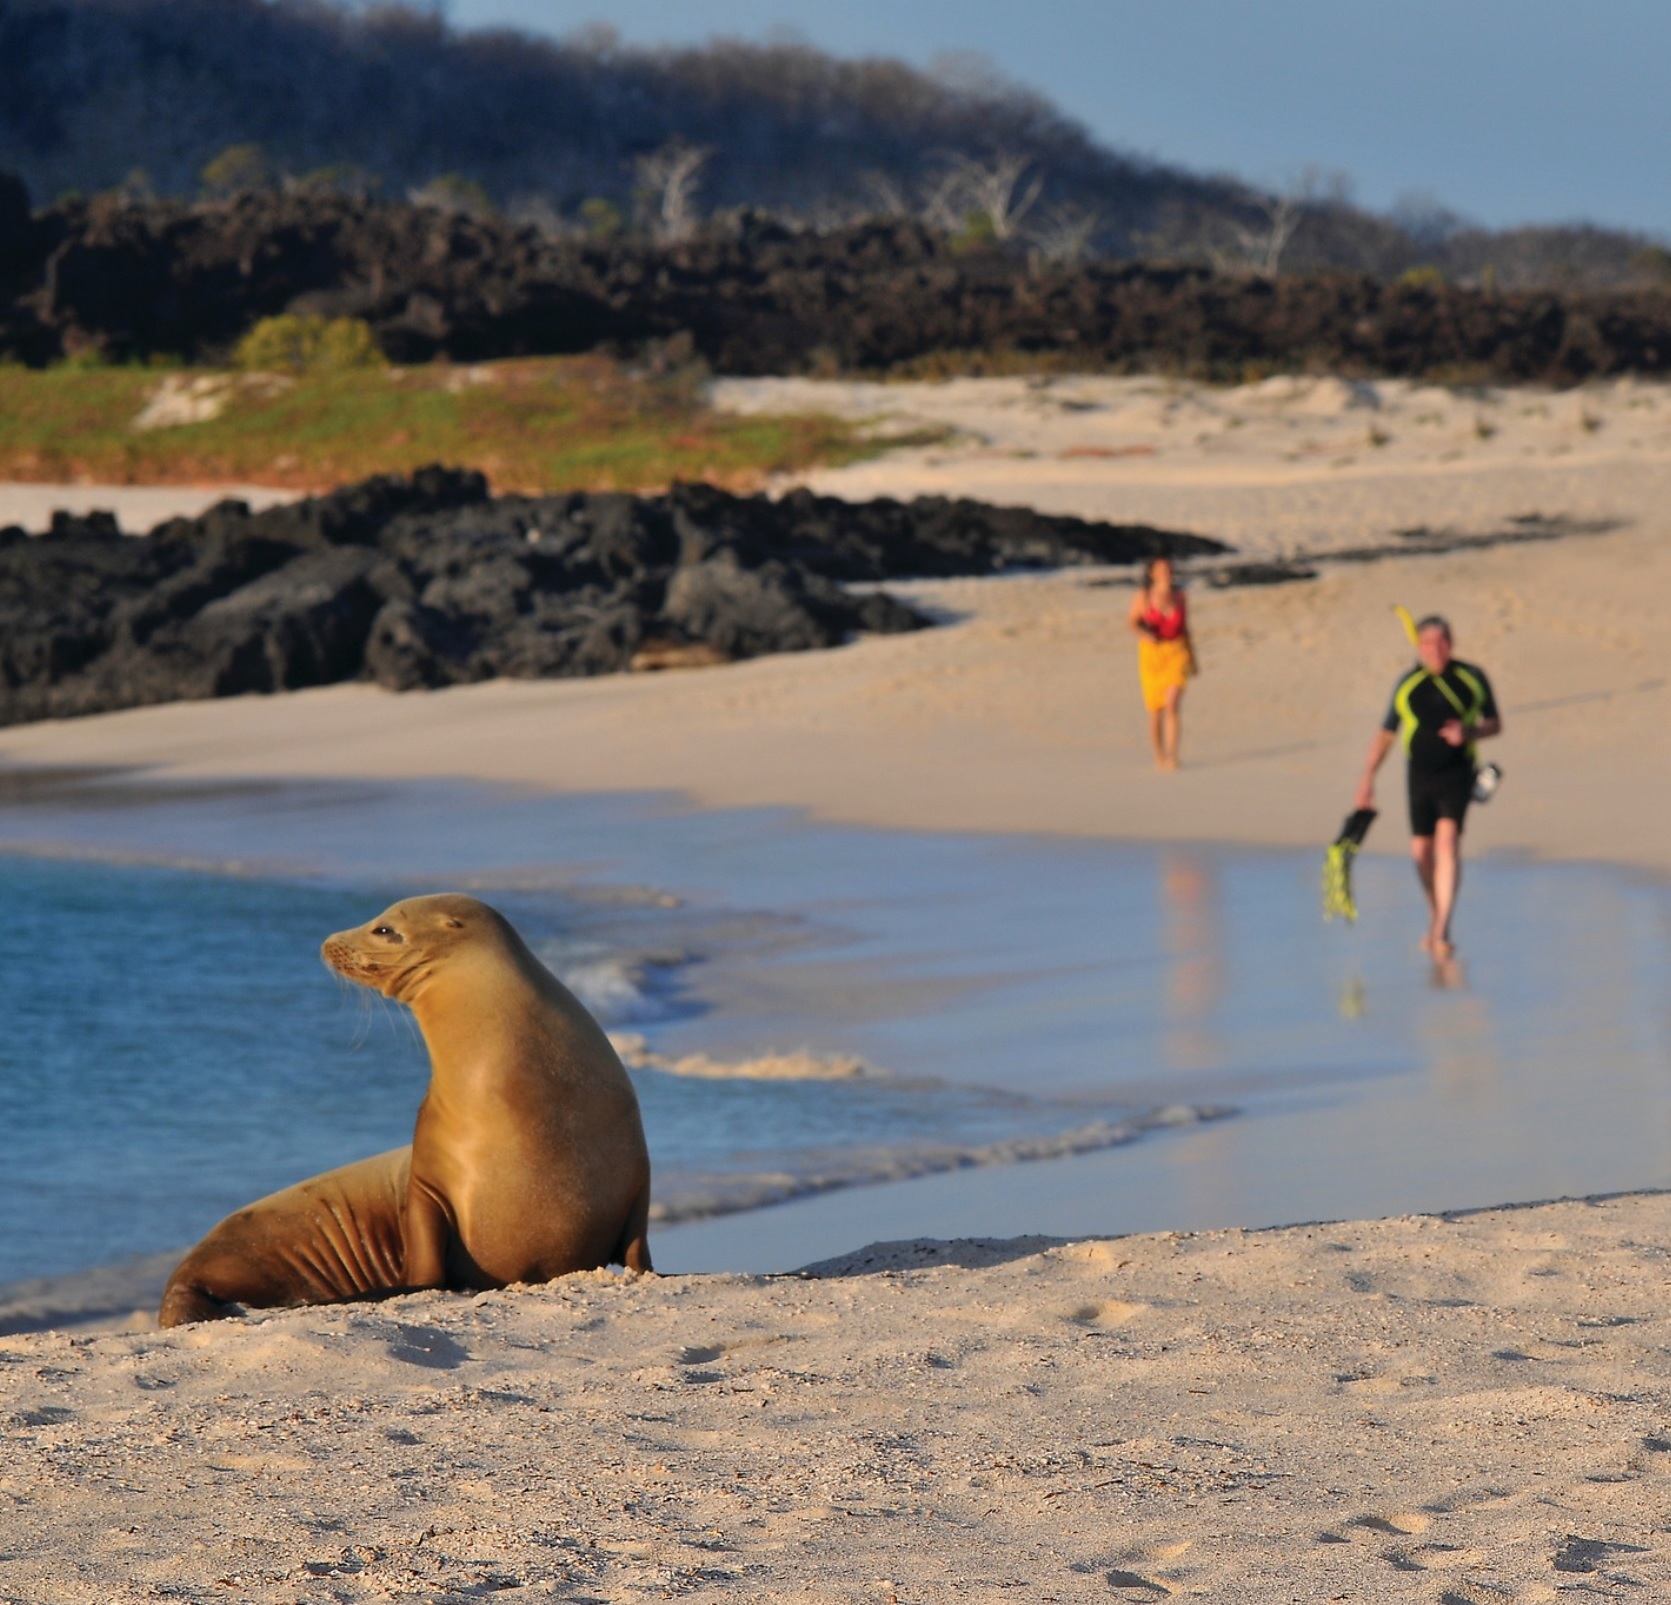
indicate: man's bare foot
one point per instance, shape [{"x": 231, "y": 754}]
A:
[
  {"x": 1441, "y": 948},
  {"x": 1166, "y": 765}
]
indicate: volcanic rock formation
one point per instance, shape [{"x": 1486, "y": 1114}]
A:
[
  {"x": 430, "y": 581},
  {"x": 750, "y": 296}
]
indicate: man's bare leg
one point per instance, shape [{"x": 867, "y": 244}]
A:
[
  {"x": 1447, "y": 882},
  {"x": 1422, "y": 853}
]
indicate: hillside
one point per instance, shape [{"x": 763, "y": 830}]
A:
[
  {"x": 98, "y": 93},
  {"x": 178, "y": 98}
]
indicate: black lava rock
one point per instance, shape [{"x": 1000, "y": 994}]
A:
[
  {"x": 429, "y": 581},
  {"x": 141, "y": 279}
]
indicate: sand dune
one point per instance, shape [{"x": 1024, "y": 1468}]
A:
[{"x": 1459, "y": 1409}]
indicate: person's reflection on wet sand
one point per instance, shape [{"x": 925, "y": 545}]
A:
[{"x": 1192, "y": 939}]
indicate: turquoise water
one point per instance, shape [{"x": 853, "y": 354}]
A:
[{"x": 172, "y": 1046}]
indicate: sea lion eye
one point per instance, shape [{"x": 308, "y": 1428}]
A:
[{"x": 383, "y": 930}]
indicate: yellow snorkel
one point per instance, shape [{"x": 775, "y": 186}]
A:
[{"x": 1407, "y": 621}]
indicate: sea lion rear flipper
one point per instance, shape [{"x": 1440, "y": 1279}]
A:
[{"x": 633, "y": 1251}]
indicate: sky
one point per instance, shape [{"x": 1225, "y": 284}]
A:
[{"x": 1506, "y": 111}]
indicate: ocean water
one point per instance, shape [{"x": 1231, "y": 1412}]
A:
[{"x": 172, "y": 1046}]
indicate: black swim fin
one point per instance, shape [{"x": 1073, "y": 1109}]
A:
[{"x": 1356, "y": 827}]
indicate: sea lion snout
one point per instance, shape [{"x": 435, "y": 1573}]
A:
[
  {"x": 339, "y": 954},
  {"x": 417, "y": 932}
]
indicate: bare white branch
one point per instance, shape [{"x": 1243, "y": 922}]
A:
[
  {"x": 1064, "y": 233},
  {"x": 995, "y": 189},
  {"x": 1263, "y": 248},
  {"x": 668, "y": 178}
]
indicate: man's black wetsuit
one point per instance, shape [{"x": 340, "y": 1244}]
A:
[{"x": 1441, "y": 776}]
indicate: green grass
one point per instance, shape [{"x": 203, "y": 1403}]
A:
[{"x": 531, "y": 425}]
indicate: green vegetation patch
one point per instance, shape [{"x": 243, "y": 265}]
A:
[{"x": 531, "y": 425}]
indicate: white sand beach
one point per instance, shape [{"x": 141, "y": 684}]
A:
[
  {"x": 1468, "y": 1409},
  {"x": 137, "y": 508}
]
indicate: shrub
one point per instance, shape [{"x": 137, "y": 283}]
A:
[
  {"x": 455, "y": 194},
  {"x": 601, "y": 218},
  {"x": 238, "y": 170},
  {"x": 308, "y": 344}
]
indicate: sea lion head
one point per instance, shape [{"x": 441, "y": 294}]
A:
[{"x": 395, "y": 952}]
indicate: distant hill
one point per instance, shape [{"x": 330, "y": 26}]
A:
[{"x": 172, "y": 97}]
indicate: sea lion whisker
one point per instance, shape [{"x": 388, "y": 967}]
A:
[
  {"x": 401, "y": 1019},
  {"x": 362, "y": 1031}
]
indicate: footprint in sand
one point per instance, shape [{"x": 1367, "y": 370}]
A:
[
  {"x": 1365, "y": 1529},
  {"x": 1147, "y": 1556},
  {"x": 44, "y": 1415},
  {"x": 1112, "y": 1312},
  {"x": 1405, "y": 1524},
  {"x": 426, "y": 1347},
  {"x": 1146, "y": 1586}
]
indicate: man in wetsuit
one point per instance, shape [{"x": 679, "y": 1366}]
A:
[{"x": 1439, "y": 710}]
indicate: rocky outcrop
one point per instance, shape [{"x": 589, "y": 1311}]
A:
[
  {"x": 429, "y": 581},
  {"x": 751, "y": 297}
]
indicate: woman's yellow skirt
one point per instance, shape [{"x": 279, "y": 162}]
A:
[{"x": 1162, "y": 666}]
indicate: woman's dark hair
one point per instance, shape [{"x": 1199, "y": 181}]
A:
[
  {"x": 1433, "y": 621},
  {"x": 1149, "y": 570}
]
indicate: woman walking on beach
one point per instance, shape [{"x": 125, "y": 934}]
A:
[{"x": 1165, "y": 657}]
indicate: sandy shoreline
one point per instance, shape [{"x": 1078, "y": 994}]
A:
[
  {"x": 1022, "y": 714},
  {"x": 1468, "y": 1408}
]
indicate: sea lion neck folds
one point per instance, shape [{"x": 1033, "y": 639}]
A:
[{"x": 527, "y": 1161}]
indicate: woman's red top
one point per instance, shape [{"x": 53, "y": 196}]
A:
[{"x": 1167, "y": 626}]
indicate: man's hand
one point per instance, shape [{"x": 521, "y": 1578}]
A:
[
  {"x": 1453, "y": 733},
  {"x": 1378, "y": 750}
]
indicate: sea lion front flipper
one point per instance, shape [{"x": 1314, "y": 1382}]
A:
[
  {"x": 185, "y": 1301},
  {"x": 427, "y": 1229}
]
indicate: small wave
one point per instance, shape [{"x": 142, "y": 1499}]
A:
[
  {"x": 697, "y": 1197},
  {"x": 618, "y": 989},
  {"x": 800, "y": 1065}
]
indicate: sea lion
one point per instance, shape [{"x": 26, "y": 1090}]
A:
[{"x": 528, "y": 1159}]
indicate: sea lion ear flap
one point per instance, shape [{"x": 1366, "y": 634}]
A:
[{"x": 454, "y": 924}]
